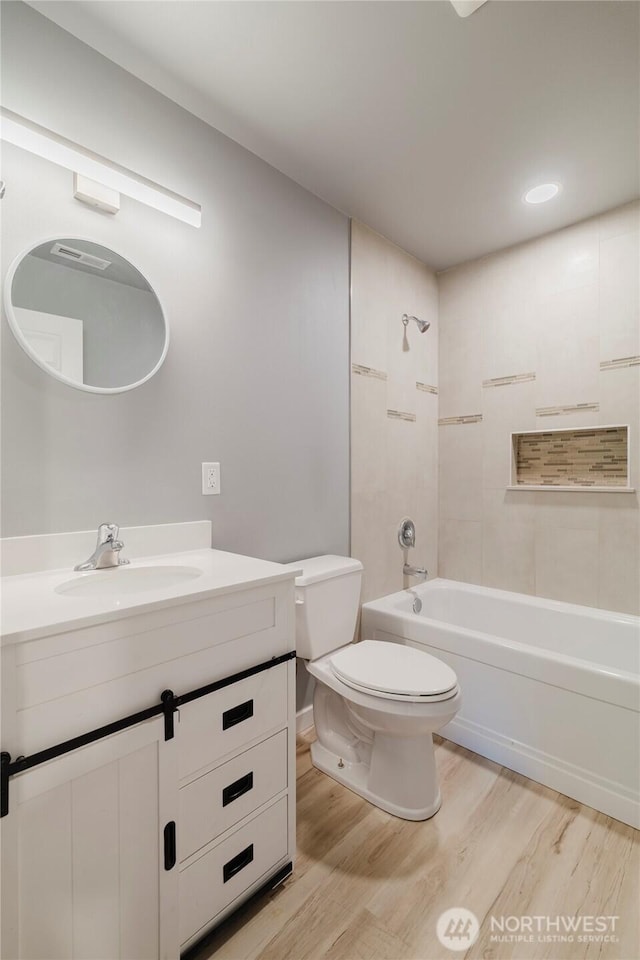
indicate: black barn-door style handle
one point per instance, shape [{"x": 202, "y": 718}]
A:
[
  {"x": 237, "y": 863},
  {"x": 170, "y": 855},
  {"x": 237, "y": 714},
  {"x": 237, "y": 789}
]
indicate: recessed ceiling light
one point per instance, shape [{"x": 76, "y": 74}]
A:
[{"x": 542, "y": 193}]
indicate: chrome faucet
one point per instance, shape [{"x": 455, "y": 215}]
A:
[
  {"x": 419, "y": 572},
  {"x": 107, "y": 551}
]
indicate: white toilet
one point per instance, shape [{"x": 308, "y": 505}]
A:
[{"x": 376, "y": 703}]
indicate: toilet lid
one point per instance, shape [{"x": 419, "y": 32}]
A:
[{"x": 392, "y": 668}]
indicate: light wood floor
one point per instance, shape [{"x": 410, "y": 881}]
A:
[{"x": 368, "y": 886}]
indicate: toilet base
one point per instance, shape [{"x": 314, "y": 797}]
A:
[{"x": 365, "y": 779}]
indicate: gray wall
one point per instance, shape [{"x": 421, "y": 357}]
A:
[{"x": 257, "y": 301}]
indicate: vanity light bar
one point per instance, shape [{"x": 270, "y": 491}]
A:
[{"x": 44, "y": 143}]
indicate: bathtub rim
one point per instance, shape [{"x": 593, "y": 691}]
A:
[
  {"x": 586, "y": 677},
  {"x": 526, "y": 599}
]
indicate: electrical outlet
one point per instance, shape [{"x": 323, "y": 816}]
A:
[{"x": 210, "y": 479}]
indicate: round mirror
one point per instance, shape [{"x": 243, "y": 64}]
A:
[{"x": 86, "y": 315}]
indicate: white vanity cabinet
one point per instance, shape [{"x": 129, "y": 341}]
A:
[
  {"x": 135, "y": 845},
  {"x": 234, "y": 797},
  {"x": 82, "y": 870}
]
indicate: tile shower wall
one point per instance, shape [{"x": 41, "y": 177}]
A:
[
  {"x": 394, "y": 410},
  {"x": 545, "y": 335}
]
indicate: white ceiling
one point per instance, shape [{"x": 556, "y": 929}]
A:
[{"x": 427, "y": 127}]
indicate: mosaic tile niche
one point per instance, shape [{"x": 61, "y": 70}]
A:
[{"x": 595, "y": 457}]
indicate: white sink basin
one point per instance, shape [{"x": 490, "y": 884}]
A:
[{"x": 125, "y": 580}]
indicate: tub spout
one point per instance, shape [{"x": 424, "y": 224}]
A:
[{"x": 419, "y": 572}]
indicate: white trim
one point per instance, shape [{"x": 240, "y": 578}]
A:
[
  {"x": 600, "y": 793},
  {"x": 548, "y": 487},
  {"x": 594, "y": 426},
  {"x": 304, "y": 718}
]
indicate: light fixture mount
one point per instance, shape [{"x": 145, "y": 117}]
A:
[{"x": 95, "y": 194}]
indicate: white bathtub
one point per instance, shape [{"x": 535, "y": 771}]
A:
[{"x": 549, "y": 689}]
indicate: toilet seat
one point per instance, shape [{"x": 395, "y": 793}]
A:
[{"x": 394, "y": 671}]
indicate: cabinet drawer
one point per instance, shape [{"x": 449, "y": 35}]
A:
[
  {"x": 224, "y": 873},
  {"x": 213, "y": 803},
  {"x": 223, "y": 722}
]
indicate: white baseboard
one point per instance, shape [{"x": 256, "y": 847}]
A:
[
  {"x": 597, "y": 792},
  {"x": 304, "y": 718}
]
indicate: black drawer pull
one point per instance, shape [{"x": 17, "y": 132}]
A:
[
  {"x": 237, "y": 789},
  {"x": 237, "y": 714},
  {"x": 170, "y": 845},
  {"x": 237, "y": 864}
]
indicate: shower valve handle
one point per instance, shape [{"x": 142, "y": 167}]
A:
[{"x": 407, "y": 534}]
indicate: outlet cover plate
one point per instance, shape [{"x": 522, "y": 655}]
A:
[{"x": 210, "y": 479}]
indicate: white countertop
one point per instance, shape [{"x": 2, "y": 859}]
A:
[{"x": 31, "y": 608}]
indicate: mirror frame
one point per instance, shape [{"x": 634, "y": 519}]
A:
[{"x": 17, "y": 332}]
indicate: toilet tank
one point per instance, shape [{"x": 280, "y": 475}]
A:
[{"x": 327, "y": 604}]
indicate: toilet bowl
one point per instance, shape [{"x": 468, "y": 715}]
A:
[{"x": 376, "y": 703}]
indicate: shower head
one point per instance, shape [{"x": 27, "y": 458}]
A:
[{"x": 422, "y": 325}]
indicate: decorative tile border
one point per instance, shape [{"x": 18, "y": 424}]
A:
[
  {"x": 559, "y": 411},
  {"x": 620, "y": 362},
  {"x": 361, "y": 371},
  {"x": 401, "y": 415},
  {"x": 449, "y": 421},
  {"x": 426, "y": 388},
  {"x": 506, "y": 381}
]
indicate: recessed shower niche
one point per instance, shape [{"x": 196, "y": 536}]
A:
[{"x": 593, "y": 458}]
